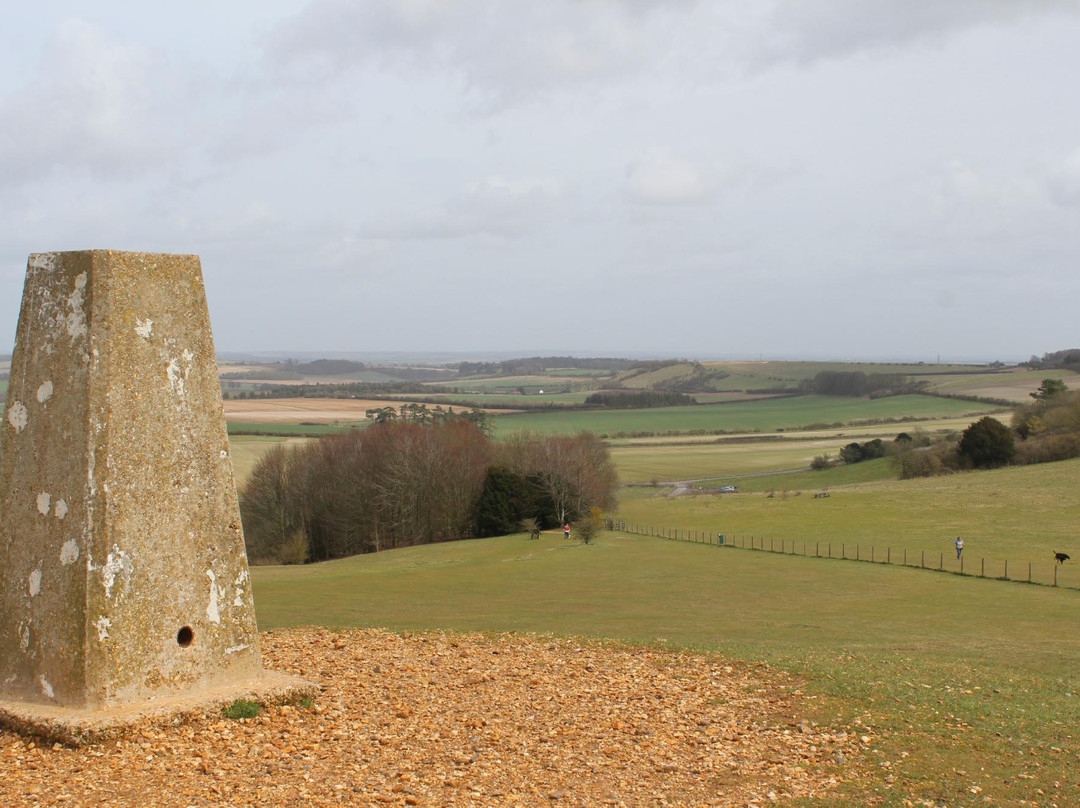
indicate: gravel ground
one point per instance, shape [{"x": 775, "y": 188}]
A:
[{"x": 437, "y": 719}]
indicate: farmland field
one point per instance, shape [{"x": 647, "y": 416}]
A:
[
  {"x": 754, "y": 416},
  {"x": 1015, "y": 384},
  {"x": 301, "y": 410}
]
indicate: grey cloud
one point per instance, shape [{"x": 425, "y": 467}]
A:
[
  {"x": 498, "y": 206},
  {"x": 807, "y": 31},
  {"x": 91, "y": 107},
  {"x": 661, "y": 177},
  {"x": 505, "y": 52},
  {"x": 1064, "y": 183}
]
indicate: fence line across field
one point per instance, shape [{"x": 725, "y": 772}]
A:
[{"x": 1022, "y": 572}]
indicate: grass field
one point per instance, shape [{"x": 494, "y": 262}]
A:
[
  {"x": 1021, "y": 515},
  {"x": 966, "y": 688},
  {"x": 747, "y": 416},
  {"x": 247, "y": 449}
]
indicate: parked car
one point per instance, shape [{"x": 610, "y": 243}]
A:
[{"x": 729, "y": 489}]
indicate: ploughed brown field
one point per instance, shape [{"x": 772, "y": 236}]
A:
[{"x": 308, "y": 410}]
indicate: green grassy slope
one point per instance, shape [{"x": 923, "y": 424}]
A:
[
  {"x": 958, "y": 683},
  {"x": 1017, "y": 514}
]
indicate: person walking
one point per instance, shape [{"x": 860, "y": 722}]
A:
[
  {"x": 566, "y": 530},
  {"x": 959, "y": 545}
]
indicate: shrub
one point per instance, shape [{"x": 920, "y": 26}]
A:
[
  {"x": 1048, "y": 449},
  {"x": 987, "y": 443},
  {"x": 588, "y": 527}
]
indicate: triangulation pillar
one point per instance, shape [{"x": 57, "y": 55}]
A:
[{"x": 124, "y": 585}]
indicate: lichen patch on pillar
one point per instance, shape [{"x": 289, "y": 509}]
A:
[{"x": 18, "y": 416}]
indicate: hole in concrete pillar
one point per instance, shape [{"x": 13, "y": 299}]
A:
[{"x": 185, "y": 636}]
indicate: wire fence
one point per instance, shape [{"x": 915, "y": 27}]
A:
[{"x": 1051, "y": 573}]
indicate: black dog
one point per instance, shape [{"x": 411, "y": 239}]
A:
[{"x": 1061, "y": 558}]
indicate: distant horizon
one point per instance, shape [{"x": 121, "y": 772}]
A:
[{"x": 444, "y": 357}]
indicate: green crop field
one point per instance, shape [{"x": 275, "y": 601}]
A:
[{"x": 746, "y": 416}]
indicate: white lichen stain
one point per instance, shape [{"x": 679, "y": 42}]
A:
[
  {"x": 44, "y": 392},
  {"x": 69, "y": 553},
  {"x": 212, "y": 613},
  {"x": 224, "y": 454},
  {"x": 117, "y": 563},
  {"x": 45, "y": 261},
  {"x": 239, "y": 600},
  {"x": 102, "y": 625},
  {"x": 60, "y": 510},
  {"x": 35, "y": 582},
  {"x": 76, "y": 318},
  {"x": 17, "y": 416},
  {"x": 232, "y": 649},
  {"x": 46, "y": 688},
  {"x": 24, "y": 636},
  {"x": 44, "y": 502},
  {"x": 144, "y": 328}
]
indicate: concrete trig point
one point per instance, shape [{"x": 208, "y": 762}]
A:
[{"x": 124, "y": 588}]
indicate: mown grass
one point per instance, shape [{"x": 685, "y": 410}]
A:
[
  {"x": 744, "y": 416},
  {"x": 958, "y": 683}
]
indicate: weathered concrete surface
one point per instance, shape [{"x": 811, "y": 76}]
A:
[{"x": 123, "y": 575}]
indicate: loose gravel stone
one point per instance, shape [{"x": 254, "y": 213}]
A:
[{"x": 436, "y": 719}]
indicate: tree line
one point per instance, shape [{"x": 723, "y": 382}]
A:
[
  {"x": 402, "y": 482},
  {"x": 637, "y": 399},
  {"x": 858, "y": 384},
  {"x": 1045, "y": 430},
  {"x": 539, "y": 365}
]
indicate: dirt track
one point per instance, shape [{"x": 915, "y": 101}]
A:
[{"x": 446, "y": 720}]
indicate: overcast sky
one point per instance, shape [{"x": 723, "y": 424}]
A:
[{"x": 844, "y": 179}]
